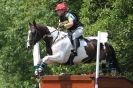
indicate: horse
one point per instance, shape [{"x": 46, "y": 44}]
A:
[{"x": 58, "y": 48}]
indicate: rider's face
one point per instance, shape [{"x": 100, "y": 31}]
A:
[{"x": 60, "y": 12}]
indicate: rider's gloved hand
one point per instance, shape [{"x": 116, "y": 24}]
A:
[{"x": 61, "y": 25}]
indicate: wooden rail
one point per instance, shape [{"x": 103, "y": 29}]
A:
[{"x": 83, "y": 81}]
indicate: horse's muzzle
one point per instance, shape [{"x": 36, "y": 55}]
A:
[{"x": 29, "y": 46}]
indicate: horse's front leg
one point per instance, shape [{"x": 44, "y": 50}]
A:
[
  {"x": 55, "y": 58},
  {"x": 46, "y": 60}
]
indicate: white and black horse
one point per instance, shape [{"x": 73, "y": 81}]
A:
[{"x": 58, "y": 47}]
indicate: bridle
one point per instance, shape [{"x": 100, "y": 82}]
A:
[
  {"x": 47, "y": 35},
  {"x": 33, "y": 40}
]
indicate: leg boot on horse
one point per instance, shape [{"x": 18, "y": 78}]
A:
[{"x": 39, "y": 71}]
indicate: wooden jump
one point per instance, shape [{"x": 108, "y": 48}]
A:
[{"x": 83, "y": 81}]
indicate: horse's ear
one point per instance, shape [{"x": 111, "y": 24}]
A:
[
  {"x": 34, "y": 23},
  {"x": 30, "y": 24}
]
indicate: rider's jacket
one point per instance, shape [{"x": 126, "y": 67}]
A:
[{"x": 70, "y": 15}]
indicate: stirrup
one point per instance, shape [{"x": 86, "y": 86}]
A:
[{"x": 74, "y": 52}]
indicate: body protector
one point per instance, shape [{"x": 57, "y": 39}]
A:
[{"x": 71, "y": 15}]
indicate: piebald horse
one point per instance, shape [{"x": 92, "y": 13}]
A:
[{"x": 58, "y": 47}]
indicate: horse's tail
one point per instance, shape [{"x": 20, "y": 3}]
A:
[{"x": 111, "y": 58}]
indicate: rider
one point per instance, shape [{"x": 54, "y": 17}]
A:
[{"x": 69, "y": 21}]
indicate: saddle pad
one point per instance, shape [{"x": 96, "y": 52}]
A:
[
  {"x": 102, "y": 40},
  {"x": 82, "y": 42}
]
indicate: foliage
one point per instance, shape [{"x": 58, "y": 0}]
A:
[{"x": 113, "y": 16}]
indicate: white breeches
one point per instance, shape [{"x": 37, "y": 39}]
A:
[{"x": 78, "y": 32}]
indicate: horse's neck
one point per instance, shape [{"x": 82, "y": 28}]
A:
[{"x": 55, "y": 33}]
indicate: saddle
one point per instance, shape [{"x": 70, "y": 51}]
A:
[{"x": 81, "y": 41}]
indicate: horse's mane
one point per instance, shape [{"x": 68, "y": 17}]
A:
[{"x": 42, "y": 28}]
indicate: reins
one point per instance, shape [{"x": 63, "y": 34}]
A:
[{"x": 49, "y": 35}]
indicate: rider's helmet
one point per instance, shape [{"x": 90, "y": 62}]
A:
[{"x": 61, "y": 6}]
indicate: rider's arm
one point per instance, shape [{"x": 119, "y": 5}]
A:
[
  {"x": 68, "y": 25},
  {"x": 70, "y": 22}
]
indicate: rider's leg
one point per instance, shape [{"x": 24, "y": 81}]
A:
[
  {"x": 78, "y": 32},
  {"x": 75, "y": 46}
]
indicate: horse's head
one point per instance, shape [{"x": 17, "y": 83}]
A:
[
  {"x": 36, "y": 32},
  {"x": 33, "y": 35}
]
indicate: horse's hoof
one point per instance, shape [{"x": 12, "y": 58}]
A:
[
  {"x": 39, "y": 72},
  {"x": 61, "y": 74},
  {"x": 36, "y": 72},
  {"x": 113, "y": 72}
]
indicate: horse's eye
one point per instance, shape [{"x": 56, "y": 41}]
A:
[{"x": 33, "y": 33}]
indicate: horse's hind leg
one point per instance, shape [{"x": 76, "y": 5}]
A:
[
  {"x": 108, "y": 65},
  {"x": 113, "y": 65},
  {"x": 103, "y": 62},
  {"x": 104, "y": 66}
]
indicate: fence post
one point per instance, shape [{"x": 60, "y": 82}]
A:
[
  {"x": 101, "y": 38},
  {"x": 97, "y": 60}
]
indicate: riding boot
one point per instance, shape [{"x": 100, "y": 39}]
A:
[{"x": 75, "y": 46}]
